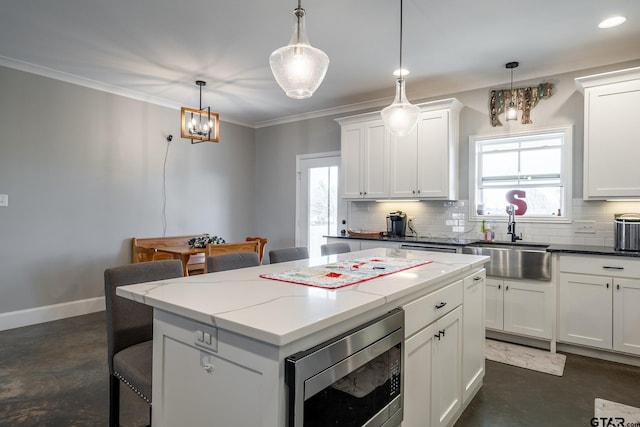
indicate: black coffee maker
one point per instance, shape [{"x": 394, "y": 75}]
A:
[{"x": 396, "y": 224}]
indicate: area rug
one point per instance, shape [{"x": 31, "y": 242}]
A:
[
  {"x": 525, "y": 357},
  {"x": 618, "y": 413}
]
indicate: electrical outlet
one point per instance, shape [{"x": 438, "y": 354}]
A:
[
  {"x": 584, "y": 227},
  {"x": 4, "y": 200}
]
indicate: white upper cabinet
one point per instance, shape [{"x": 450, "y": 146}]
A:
[
  {"x": 611, "y": 134},
  {"x": 421, "y": 165},
  {"x": 365, "y": 153}
]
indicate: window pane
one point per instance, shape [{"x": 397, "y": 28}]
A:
[
  {"x": 323, "y": 206},
  {"x": 541, "y": 201},
  {"x": 500, "y": 164},
  {"x": 541, "y": 162}
]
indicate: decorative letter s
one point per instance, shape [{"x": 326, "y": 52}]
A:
[{"x": 515, "y": 197}]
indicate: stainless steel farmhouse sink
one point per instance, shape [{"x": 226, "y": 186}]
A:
[{"x": 514, "y": 261}]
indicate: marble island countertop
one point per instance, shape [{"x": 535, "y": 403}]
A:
[{"x": 278, "y": 312}]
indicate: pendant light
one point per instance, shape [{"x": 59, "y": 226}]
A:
[
  {"x": 199, "y": 125},
  {"x": 299, "y": 68},
  {"x": 512, "y": 110},
  {"x": 401, "y": 116}
]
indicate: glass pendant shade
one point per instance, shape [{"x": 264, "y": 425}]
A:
[
  {"x": 401, "y": 116},
  {"x": 299, "y": 68},
  {"x": 512, "y": 111}
]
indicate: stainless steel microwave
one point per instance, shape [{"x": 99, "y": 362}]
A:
[{"x": 353, "y": 380}]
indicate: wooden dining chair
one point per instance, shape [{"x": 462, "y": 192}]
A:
[
  {"x": 229, "y": 248},
  {"x": 130, "y": 330},
  {"x": 263, "y": 243},
  {"x": 288, "y": 254}
]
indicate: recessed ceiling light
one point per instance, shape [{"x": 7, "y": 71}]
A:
[
  {"x": 614, "y": 21},
  {"x": 404, "y": 72}
]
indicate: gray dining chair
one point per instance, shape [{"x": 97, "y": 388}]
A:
[
  {"x": 232, "y": 261},
  {"x": 288, "y": 254},
  {"x": 130, "y": 330},
  {"x": 334, "y": 248}
]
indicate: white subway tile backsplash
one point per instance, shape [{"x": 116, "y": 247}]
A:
[{"x": 448, "y": 219}]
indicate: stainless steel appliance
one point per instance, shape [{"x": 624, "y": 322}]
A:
[
  {"x": 352, "y": 380},
  {"x": 397, "y": 224},
  {"x": 428, "y": 247},
  {"x": 627, "y": 232}
]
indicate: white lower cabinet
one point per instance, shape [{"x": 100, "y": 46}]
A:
[
  {"x": 598, "y": 302},
  {"x": 520, "y": 307},
  {"x": 432, "y": 388},
  {"x": 444, "y": 352}
]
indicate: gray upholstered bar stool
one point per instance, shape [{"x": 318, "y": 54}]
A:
[
  {"x": 288, "y": 254},
  {"x": 130, "y": 330},
  {"x": 335, "y": 248},
  {"x": 232, "y": 261}
]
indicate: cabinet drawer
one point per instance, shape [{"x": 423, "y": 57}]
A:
[
  {"x": 600, "y": 265},
  {"x": 427, "y": 309}
]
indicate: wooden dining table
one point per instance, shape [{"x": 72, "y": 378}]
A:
[{"x": 183, "y": 253}]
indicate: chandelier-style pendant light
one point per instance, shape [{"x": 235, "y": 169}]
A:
[
  {"x": 299, "y": 68},
  {"x": 511, "y": 110},
  {"x": 199, "y": 125},
  {"x": 401, "y": 116}
]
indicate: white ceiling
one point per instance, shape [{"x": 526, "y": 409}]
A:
[{"x": 156, "y": 49}]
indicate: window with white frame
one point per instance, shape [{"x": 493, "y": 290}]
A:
[{"x": 531, "y": 171}]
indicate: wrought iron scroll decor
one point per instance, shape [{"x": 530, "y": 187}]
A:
[{"x": 526, "y": 99}]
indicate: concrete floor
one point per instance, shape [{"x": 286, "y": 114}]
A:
[{"x": 55, "y": 374}]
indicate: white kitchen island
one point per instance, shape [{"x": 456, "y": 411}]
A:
[{"x": 220, "y": 339}]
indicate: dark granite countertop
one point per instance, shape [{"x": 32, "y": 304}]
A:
[
  {"x": 457, "y": 242},
  {"x": 441, "y": 241},
  {"x": 591, "y": 250}
]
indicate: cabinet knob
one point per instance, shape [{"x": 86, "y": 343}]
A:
[
  {"x": 365, "y": 193},
  {"x": 499, "y": 286},
  {"x": 607, "y": 286},
  {"x": 209, "y": 368},
  {"x": 413, "y": 191},
  {"x": 506, "y": 288},
  {"x": 418, "y": 191},
  {"x": 618, "y": 287}
]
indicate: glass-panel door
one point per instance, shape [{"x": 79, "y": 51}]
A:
[{"x": 319, "y": 206}]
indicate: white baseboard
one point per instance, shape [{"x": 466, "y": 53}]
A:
[{"x": 33, "y": 316}]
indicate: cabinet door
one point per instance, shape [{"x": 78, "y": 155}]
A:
[
  {"x": 403, "y": 165},
  {"x": 585, "y": 310},
  {"x": 473, "y": 335},
  {"x": 527, "y": 308},
  {"x": 446, "y": 374},
  {"x": 611, "y": 140},
  {"x": 626, "y": 315},
  {"x": 494, "y": 304},
  {"x": 375, "y": 156},
  {"x": 417, "y": 377},
  {"x": 434, "y": 156},
  {"x": 351, "y": 173}
]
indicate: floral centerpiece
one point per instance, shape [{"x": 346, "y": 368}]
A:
[{"x": 203, "y": 241}]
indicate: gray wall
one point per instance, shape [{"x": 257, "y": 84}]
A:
[
  {"x": 276, "y": 150},
  {"x": 84, "y": 173}
]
